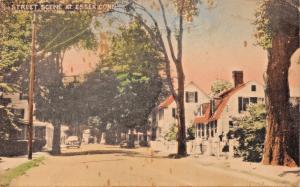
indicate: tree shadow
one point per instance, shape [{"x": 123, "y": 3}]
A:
[
  {"x": 296, "y": 172},
  {"x": 146, "y": 156},
  {"x": 112, "y": 160},
  {"x": 99, "y": 152}
]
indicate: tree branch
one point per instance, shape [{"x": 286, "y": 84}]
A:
[
  {"x": 169, "y": 34},
  {"x": 180, "y": 36}
]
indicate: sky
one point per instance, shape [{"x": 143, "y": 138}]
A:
[{"x": 218, "y": 41}]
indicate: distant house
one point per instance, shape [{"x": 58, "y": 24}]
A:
[
  {"x": 17, "y": 103},
  {"x": 295, "y": 98},
  {"x": 166, "y": 112},
  {"x": 217, "y": 115}
]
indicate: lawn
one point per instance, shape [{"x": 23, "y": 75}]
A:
[{"x": 9, "y": 175}]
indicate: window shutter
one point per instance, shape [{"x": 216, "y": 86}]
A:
[
  {"x": 196, "y": 97},
  {"x": 187, "y": 97},
  {"x": 240, "y": 104},
  {"x": 174, "y": 112}
]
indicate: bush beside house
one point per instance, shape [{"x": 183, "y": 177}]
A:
[
  {"x": 172, "y": 134},
  {"x": 250, "y": 132}
]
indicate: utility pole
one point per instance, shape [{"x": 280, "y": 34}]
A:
[{"x": 31, "y": 89}]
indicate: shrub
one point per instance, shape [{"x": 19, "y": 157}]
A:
[
  {"x": 191, "y": 133},
  {"x": 250, "y": 133},
  {"x": 172, "y": 134}
]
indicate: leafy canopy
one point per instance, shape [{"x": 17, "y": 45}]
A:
[{"x": 219, "y": 86}]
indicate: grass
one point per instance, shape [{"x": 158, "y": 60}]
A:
[{"x": 8, "y": 176}]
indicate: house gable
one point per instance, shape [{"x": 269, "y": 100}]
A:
[{"x": 191, "y": 87}]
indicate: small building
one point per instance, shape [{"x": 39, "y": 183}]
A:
[
  {"x": 165, "y": 113},
  {"x": 17, "y": 104}
]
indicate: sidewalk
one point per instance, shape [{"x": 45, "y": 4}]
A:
[
  {"x": 7, "y": 163},
  {"x": 278, "y": 175}
]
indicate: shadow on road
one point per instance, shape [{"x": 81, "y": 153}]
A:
[
  {"x": 297, "y": 172},
  {"x": 100, "y": 161},
  {"x": 94, "y": 152}
]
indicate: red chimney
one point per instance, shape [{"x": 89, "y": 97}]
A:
[{"x": 238, "y": 78}]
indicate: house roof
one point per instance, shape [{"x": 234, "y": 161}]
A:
[
  {"x": 202, "y": 119},
  {"x": 170, "y": 99},
  {"x": 221, "y": 102},
  {"x": 166, "y": 102}
]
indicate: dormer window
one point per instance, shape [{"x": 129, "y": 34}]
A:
[
  {"x": 191, "y": 97},
  {"x": 253, "y": 88}
]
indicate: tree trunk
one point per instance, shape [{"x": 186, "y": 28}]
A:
[
  {"x": 282, "y": 140},
  {"x": 56, "y": 139},
  {"x": 99, "y": 136},
  {"x": 181, "y": 136},
  {"x": 131, "y": 139},
  {"x": 118, "y": 136}
]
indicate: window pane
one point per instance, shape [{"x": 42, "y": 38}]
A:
[
  {"x": 245, "y": 103},
  {"x": 253, "y": 99}
]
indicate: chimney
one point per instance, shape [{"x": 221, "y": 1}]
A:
[{"x": 238, "y": 78}]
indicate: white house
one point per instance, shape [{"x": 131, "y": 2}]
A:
[
  {"x": 217, "y": 115},
  {"x": 166, "y": 111}
]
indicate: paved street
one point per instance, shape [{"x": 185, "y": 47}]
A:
[{"x": 98, "y": 165}]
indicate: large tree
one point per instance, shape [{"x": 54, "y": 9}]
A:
[
  {"x": 56, "y": 33},
  {"x": 129, "y": 81},
  {"x": 278, "y": 32},
  {"x": 169, "y": 44}
]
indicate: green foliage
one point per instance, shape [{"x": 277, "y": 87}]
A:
[
  {"x": 58, "y": 32},
  {"x": 191, "y": 133},
  {"x": 189, "y": 8},
  {"x": 274, "y": 16},
  {"x": 100, "y": 91},
  {"x": 219, "y": 86},
  {"x": 250, "y": 132},
  {"x": 15, "y": 39},
  {"x": 136, "y": 64},
  {"x": 8, "y": 176},
  {"x": 6, "y": 123},
  {"x": 262, "y": 22},
  {"x": 7, "y": 87},
  {"x": 172, "y": 133}
]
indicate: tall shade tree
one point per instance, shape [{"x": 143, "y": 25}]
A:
[
  {"x": 137, "y": 65},
  {"x": 277, "y": 23},
  {"x": 56, "y": 33},
  {"x": 169, "y": 44}
]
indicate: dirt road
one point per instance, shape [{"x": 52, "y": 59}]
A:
[{"x": 96, "y": 165}]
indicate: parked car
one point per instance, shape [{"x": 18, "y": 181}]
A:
[
  {"x": 125, "y": 144},
  {"x": 72, "y": 141}
]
